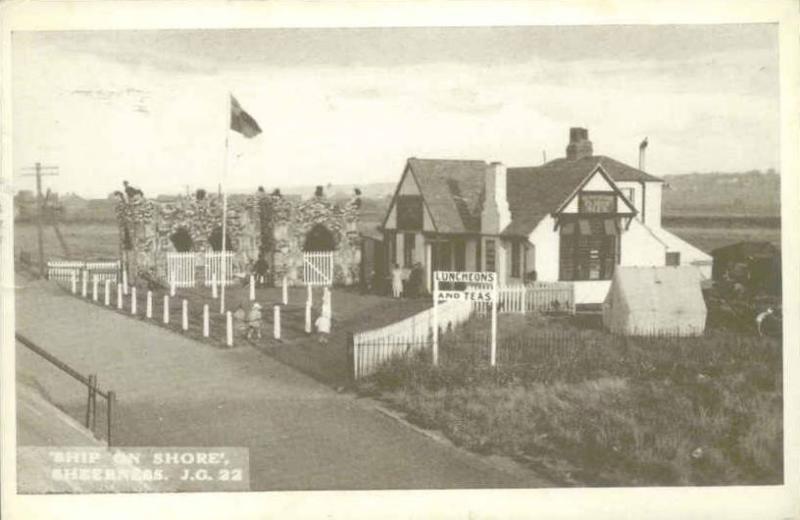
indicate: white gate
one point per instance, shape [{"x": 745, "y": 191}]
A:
[
  {"x": 318, "y": 267},
  {"x": 219, "y": 267},
  {"x": 61, "y": 270},
  {"x": 180, "y": 269}
]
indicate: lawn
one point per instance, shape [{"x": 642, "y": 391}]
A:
[
  {"x": 593, "y": 409},
  {"x": 329, "y": 362}
]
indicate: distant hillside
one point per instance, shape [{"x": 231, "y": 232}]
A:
[{"x": 723, "y": 194}]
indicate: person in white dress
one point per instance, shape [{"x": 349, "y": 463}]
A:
[
  {"x": 323, "y": 323},
  {"x": 397, "y": 281}
]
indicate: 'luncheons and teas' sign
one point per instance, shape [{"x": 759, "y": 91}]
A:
[{"x": 465, "y": 277}]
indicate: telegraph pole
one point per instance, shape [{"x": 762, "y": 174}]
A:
[{"x": 39, "y": 170}]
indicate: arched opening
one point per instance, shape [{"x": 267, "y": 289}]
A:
[
  {"x": 181, "y": 240},
  {"x": 319, "y": 238},
  {"x": 215, "y": 240}
]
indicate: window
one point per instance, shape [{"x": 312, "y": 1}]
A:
[
  {"x": 391, "y": 249},
  {"x": 490, "y": 256},
  {"x": 409, "y": 212},
  {"x": 588, "y": 249},
  {"x": 409, "y": 239},
  {"x": 515, "y": 260},
  {"x": 673, "y": 258},
  {"x": 597, "y": 202}
]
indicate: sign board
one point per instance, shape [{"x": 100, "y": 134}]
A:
[{"x": 481, "y": 288}]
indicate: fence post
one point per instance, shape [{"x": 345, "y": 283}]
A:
[
  {"x": 89, "y": 401},
  {"x": 125, "y": 280},
  {"x": 276, "y": 328},
  {"x": 107, "y": 299},
  {"x": 119, "y": 296},
  {"x": 172, "y": 288},
  {"x": 74, "y": 282},
  {"x": 228, "y": 329},
  {"x": 205, "y": 320},
  {"x": 308, "y": 317},
  {"x": 252, "y": 288},
  {"x": 285, "y": 292},
  {"x": 309, "y": 295},
  {"x": 166, "y": 309},
  {"x": 351, "y": 358},
  {"x": 133, "y": 300},
  {"x": 112, "y": 397},
  {"x": 214, "y": 286},
  {"x": 149, "y": 306},
  {"x": 83, "y": 283},
  {"x": 185, "y": 315},
  {"x": 94, "y": 287}
]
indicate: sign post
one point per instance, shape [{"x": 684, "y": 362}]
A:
[{"x": 472, "y": 294}]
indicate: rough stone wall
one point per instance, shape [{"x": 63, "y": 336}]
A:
[{"x": 271, "y": 224}]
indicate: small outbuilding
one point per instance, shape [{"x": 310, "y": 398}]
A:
[{"x": 655, "y": 300}]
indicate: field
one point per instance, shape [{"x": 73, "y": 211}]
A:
[
  {"x": 709, "y": 238},
  {"x": 593, "y": 409},
  {"x": 86, "y": 241}
]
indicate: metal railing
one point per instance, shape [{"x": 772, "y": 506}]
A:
[{"x": 89, "y": 381}]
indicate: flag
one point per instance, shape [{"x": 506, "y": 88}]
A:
[
  {"x": 643, "y": 144},
  {"x": 243, "y": 122}
]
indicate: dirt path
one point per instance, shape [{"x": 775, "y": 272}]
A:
[{"x": 174, "y": 391}]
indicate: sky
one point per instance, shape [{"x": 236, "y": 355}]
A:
[{"x": 351, "y": 105}]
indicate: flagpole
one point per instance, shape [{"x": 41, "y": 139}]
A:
[{"x": 223, "y": 261}]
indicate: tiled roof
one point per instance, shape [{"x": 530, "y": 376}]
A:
[
  {"x": 453, "y": 190},
  {"x": 534, "y": 192}
]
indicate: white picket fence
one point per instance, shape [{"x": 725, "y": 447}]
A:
[
  {"x": 219, "y": 267},
  {"x": 61, "y": 270},
  {"x": 181, "y": 269},
  {"x": 533, "y": 297},
  {"x": 318, "y": 267},
  {"x": 371, "y": 348}
]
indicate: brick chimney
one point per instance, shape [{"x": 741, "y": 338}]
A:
[
  {"x": 579, "y": 144},
  {"x": 496, "y": 214}
]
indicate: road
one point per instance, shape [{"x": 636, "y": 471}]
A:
[{"x": 174, "y": 391}]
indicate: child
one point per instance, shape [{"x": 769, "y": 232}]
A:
[
  {"x": 239, "y": 323},
  {"x": 254, "y": 322},
  {"x": 323, "y": 323},
  {"x": 397, "y": 281}
]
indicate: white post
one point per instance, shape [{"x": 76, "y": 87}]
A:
[
  {"x": 214, "y": 286},
  {"x": 74, "y": 282},
  {"x": 124, "y": 281},
  {"x": 494, "y": 324},
  {"x": 119, "y": 296},
  {"x": 148, "y": 311},
  {"x": 94, "y": 287},
  {"x": 252, "y": 288},
  {"x": 285, "y": 292},
  {"x": 166, "y": 309},
  {"x": 185, "y": 315},
  {"x": 172, "y": 288},
  {"x": 308, "y": 317},
  {"x": 133, "y": 300},
  {"x": 83, "y": 283},
  {"x": 107, "y": 299},
  {"x": 228, "y": 329},
  {"x": 205, "y": 320},
  {"x": 309, "y": 295},
  {"x": 276, "y": 330}
]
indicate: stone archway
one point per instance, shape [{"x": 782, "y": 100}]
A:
[
  {"x": 215, "y": 240},
  {"x": 319, "y": 238},
  {"x": 182, "y": 240}
]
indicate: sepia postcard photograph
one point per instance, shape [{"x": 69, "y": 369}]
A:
[{"x": 413, "y": 261}]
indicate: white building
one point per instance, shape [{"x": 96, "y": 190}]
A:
[{"x": 570, "y": 219}]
